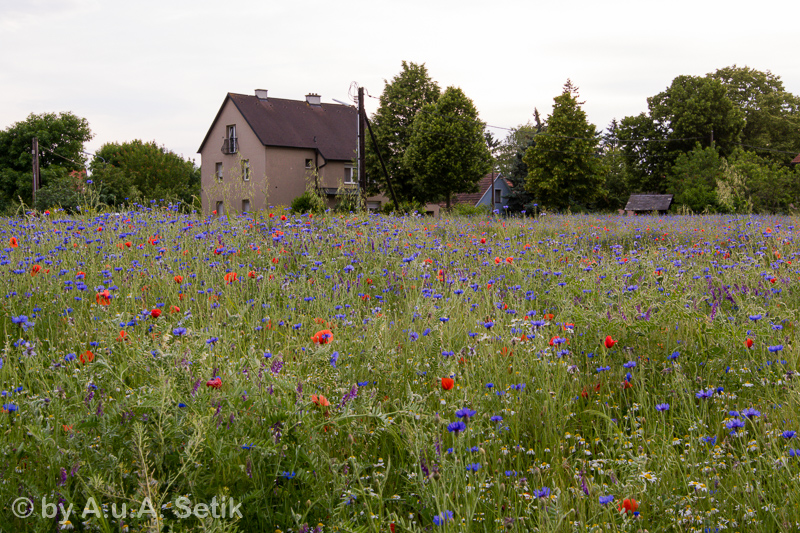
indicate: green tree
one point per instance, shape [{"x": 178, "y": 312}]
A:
[
  {"x": 400, "y": 102},
  {"x": 751, "y": 182},
  {"x": 564, "y": 167},
  {"x": 447, "y": 152},
  {"x": 512, "y": 166},
  {"x": 693, "y": 179},
  {"x": 616, "y": 189},
  {"x": 691, "y": 110},
  {"x": 141, "y": 171},
  {"x": 772, "y": 115},
  {"x": 61, "y": 142}
]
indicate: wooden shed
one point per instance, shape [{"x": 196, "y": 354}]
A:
[{"x": 642, "y": 204}]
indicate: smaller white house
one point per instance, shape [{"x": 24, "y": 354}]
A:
[{"x": 493, "y": 192}]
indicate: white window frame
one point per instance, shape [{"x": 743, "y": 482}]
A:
[
  {"x": 218, "y": 171},
  {"x": 245, "y": 170},
  {"x": 349, "y": 174},
  {"x": 245, "y": 209}
]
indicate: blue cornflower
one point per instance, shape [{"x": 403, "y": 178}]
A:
[
  {"x": 544, "y": 492},
  {"x": 465, "y": 412},
  {"x": 444, "y": 319},
  {"x": 496, "y": 418},
  {"x": 441, "y": 518},
  {"x": 10, "y": 407},
  {"x": 288, "y": 475},
  {"x": 489, "y": 385},
  {"x": 705, "y": 394},
  {"x": 488, "y": 325},
  {"x": 755, "y": 317},
  {"x": 662, "y": 407},
  {"x": 734, "y": 423},
  {"x": 179, "y": 331},
  {"x": 334, "y": 358},
  {"x": 474, "y": 467},
  {"x": 777, "y": 348},
  {"x": 69, "y": 357},
  {"x": 794, "y": 452},
  {"x": 749, "y": 412},
  {"x": 605, "y": 500},
  {"x": 413, "y": 335},
  {"x": 630, "y": 364},
  {"x": 456, "y": 427},
  {"x": 788, "y": 434}
]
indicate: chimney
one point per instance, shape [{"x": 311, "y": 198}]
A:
[
  {"x": 261, "y": 94},
  {"x": 313, "y": 99}
]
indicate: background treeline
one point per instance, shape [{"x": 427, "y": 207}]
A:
[
  {"x": 723, "y": 142},
  {"x": 118, "y": 174}
]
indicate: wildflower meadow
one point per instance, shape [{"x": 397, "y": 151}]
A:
[{"x": 163, "y": 371}]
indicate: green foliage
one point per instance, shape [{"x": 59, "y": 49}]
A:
[
  {"x": 691, "y": 110},
  {"x": 511, "y": 165},
  {"x": 406, "y": 208},
  {"x": 467, "y": 210},
  {"x": 402, "y": 99},
  {"x": 63, "y": 189},
  {"x": 447, "y": 152},
  {"x": 693, "y": 179},
  {"x": 142, "y": 171},
  {"x": 306, "y": 203},
  {"x": 772, "y": 115},
  {"x": 61, "y": 140},
  {"x": 564, "y": 168},
  {"x": 754, "y": 183}
]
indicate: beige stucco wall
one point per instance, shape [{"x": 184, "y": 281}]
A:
[
  {"x": 232, "y": 189},
  {"x": 277, "y": 175}
]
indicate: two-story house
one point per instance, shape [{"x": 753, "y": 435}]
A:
[{"x": 262, "y": 151}]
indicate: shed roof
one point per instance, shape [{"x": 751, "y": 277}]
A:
[
  {"x": 796, "y": 160},
  {"x": 649, "y": 202},
  {"x": 329, "y": 128}
]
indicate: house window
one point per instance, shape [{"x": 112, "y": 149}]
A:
[
  {"x": 220, "y": 208},
  {"x": 218, "y": 172},
  {"x": 497, "y": 196},
  {"x": 231, "y": 145},
  {"x": 245, "y": 206},
  {"x": 309, "y": 163},
  {"x": 349, "y": 174},
  {"x": 246, "y": 170},
  {"x": 373, "y": 207}
]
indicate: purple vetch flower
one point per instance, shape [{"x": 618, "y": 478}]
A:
[
  {"x": 349, "y": 396},
  {"x": 276, "y": 366}
]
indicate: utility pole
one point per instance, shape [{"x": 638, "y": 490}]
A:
[
  {"x": 362, "y": 171},
  {"x": 35, "y": 154}
]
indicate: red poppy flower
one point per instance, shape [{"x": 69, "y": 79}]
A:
[
  {"x": 87, "y": 357},
  {"x": 174, "y": 309},
  {"x": 323, "y": 336},
  {"x": 178, "y": 279},
  {"x": 628, "y": 505},
  {"x": 122, "y": 336},
  {"x": 509, "y": 260},
  {"x": 80, "y": 275},
  {"x": 231, "y": 277},
  {"x": 391, "y": 527},
  {"x": 214, "y": 212},
  {"x": 251, "y": 274},
  {"x": 320, "y": 400},
  {"x": 497, "y": 260},
  {"x": 13, "y": 242},
  {"x": 128, "y": 244},
  {"x": 215, "y": 383},
  {"x": 447, "y": 383},
  {"x": 549, "y": 316},
  {"x": 103, "y": 298},
  {"x": 155, "y": 313},
  {"x": 749, "y": 343},
  {"x": 609, "y": 342},
  {"x": 283, "y": 217},
  {"x": 626, "y": 384},
  {"x": 483, "y": 240},
  {"x": 35, "y": 269}
]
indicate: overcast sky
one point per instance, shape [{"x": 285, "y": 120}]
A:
[{"x": 159, "y": 70}]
